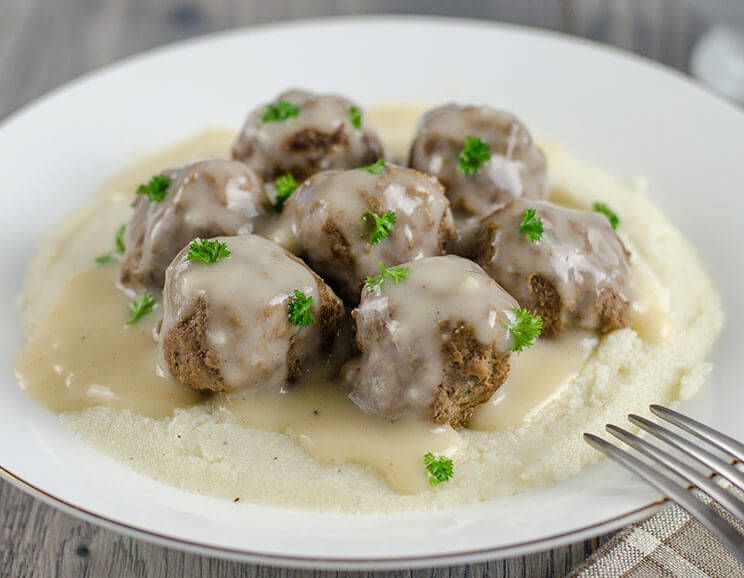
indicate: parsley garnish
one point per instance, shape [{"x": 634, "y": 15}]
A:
[
  {"x": 156, "y": 188},
  {"x": 280, "y": 110},
  {"x": 376, "y": 167},
  {"x": 285, "y": 185},
  {"x": 207, "y": 250},
  {"x": 395, "y": 274},
  {"x": 473, "y": 154},
  {"x": 299, "y": 309},
  {"x": 438, "y": 468},
  {"x": 525, "y": 328},
  {"x": 379, "y": 225},
  {"x": 118, "y": 249},
  {"x": 140, "y": 306},
  {"x": 531, "y": 225},
  {"x": 607, "y": 212},
  {"x": 355, "y": 117}
]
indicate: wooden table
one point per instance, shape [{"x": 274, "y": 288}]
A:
[{"x": 46, "y": 42}]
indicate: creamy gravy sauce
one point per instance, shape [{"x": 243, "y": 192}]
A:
[
  {"x": 82, "y": 354},
  {"x": 649, "y": 313},
  {"x": 332, "y": 429},
  {"x": 537, "y": 376}
]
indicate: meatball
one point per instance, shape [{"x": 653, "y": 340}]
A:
[
  {"x": 227, "y": 325},
  {"x": 333, "y": 218},
  {"x": 325, "y": 133},
  {"x": 516, "y": 168},
  {"x": 204, "y": 199},
  {"x": 575, "y": 276},
  {"x": 434, "y": 344}
]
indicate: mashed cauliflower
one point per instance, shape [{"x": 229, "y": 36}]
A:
[{"x": 210, "y": 453}]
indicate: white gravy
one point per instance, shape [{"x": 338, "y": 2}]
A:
[{"x": 537, "y": 376}]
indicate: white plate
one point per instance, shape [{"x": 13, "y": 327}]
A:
[{"x": 629, "y": 116}]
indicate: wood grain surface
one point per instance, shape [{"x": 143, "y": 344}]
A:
[{"x": 44, "y": 43}]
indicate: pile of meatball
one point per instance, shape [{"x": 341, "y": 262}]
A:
[{"x": 419, "y": 269}]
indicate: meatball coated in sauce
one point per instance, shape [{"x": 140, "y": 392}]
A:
[
  {"x": 434, "y": 344},
  {"x": 321, "y": 136},
  {"x": 226, "y": 325},
  {"x": 575, "y": 276},
  {"x": 517, "y": 167},
  {"x": 204, "y": 199},
  {"x": 327, "y": 216}
]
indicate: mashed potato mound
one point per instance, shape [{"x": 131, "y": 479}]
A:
[{"x": 209, "y": 453}]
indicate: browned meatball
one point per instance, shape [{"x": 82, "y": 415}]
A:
[
  {"x": 333, "y": 226},
  {"x": 434, "y": 344},
  {"x": 516, "y": 167},
  {"x": 314, "y": 133},
  {"x": 575, "y": 276},
  {"x": 204, "y": 199},
  {"x": 227, "y": 325}
]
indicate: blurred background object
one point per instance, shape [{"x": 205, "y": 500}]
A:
[
  {"x": 46, "y": 42},
  {"x": 718, "y": 57}
]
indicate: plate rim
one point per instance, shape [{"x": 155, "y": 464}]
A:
[
  {"x": 333, "y": 563},
  {"x": 350, "y": 562}
]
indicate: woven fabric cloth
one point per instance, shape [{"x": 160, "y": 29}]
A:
[{"x": 669, "y": 543}]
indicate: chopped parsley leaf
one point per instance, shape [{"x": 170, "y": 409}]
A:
[
  {"x": 474, "y": 153},
  {"x": 118, "y": 250},
  {"x": 607, "y": 212},
  {"x": 207, "y": 250},
  {"x": 285, "y": 185},
  {"x": 140, "y": 306},
  {"x": 525, "y": 328},
  {"x": 156, "y": 188},
  {"x": 376, "y": 167},
  {"x": 355, "y": 117},
  {"x": 531, "y": 225},
  {"x": 279, "y": 111},
  {"x": 438, "y": 468},
  {"x": 378, "y": 226},
  {"x": 395, "y": 274},
  {"x": 299, "y": 309}
]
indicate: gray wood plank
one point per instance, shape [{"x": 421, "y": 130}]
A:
[
  {"x": 44, "y": 43},
  {"x": 37, "y": 540}
]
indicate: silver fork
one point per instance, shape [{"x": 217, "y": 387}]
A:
[{"x": 683, "y": 493}]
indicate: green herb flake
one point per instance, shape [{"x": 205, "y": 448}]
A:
[
  {"x": 376, "y": 167},
  {"x": 525, "y": 328},
  {"x": 355, "y": 117},
  {"x": 156, "y": 189},
  {"x": 474, "y": 153},
  {"x": 207, "y": 250},
  {"x": 378, "y": 226},
  {"x": 140, "y": 306},
  {"x": 531, "y": 225},
  {"x": 299, "y": 309},
  {"x": 395, "y": 274},
  {"x": 438, "y": 468},
  {"x": 285, "y": 185},
  {"x": 117, "y": 251},
  {"x": 607, "y": 212},
  {"x": 279, "y": 111}
]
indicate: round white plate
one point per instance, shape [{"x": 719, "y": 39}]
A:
[{"x": 626, "y": 115}]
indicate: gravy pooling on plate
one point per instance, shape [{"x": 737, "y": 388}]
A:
[{"x": 90, "y": 356}]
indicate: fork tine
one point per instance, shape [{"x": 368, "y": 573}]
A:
[
  {"x": 699, "y": 510},
  {"x": 703, "y": 483},
  {"x": 702, "y": 431},
  {"x": 703, "y": 456}
]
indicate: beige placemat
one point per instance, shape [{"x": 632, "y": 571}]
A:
[{"x": 669, "y": 543}]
